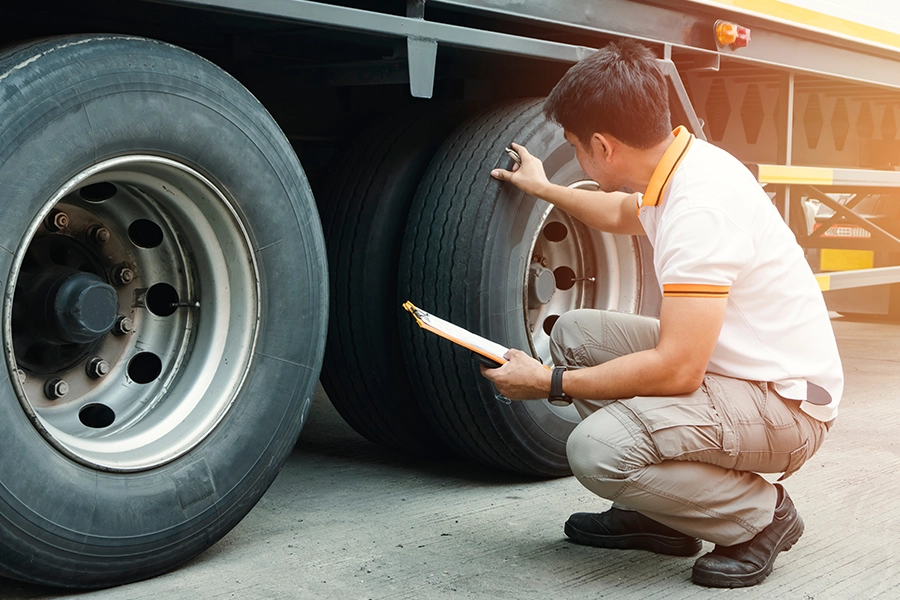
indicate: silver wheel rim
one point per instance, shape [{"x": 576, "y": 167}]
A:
[
  {"x": 185, "y": 280},
  {"x": 591, "y": 269}
]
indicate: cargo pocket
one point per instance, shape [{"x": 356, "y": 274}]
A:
[
  {"x": 798, "y": 457},
  {"x": 681, "y": 427}
]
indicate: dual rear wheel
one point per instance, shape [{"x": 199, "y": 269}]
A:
[{"x": 491, "y": 259}]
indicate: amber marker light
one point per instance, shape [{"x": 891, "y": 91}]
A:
[{"x": 731, "y": 35}]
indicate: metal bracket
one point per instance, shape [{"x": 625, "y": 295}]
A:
[
  {"x": 422, "y": 56},
  {"x": 836, "y": 218},
  {"x": 886, "y": 238},
  {"x": 784, "y": 129},
  {"x": 700, "y": 62},
  {"x": 679, "y": 100},
  {"x": 415, "y": 9}
]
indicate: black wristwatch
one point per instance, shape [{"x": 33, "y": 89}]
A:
[{"x": 557, "y": 395}]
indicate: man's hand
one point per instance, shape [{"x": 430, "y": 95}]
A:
[
  {"x": 688, "y": 332},
  {"x": 521, "y": 378},
  {"x": 528, "y": 177},
  {"x": 615, "y": 212}
]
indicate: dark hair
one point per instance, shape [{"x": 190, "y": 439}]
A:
[{"x": 618, "y": 90}]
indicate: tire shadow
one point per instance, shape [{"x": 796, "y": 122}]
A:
[
  {"x": 11, "y": 589},
  {"x": 327, "y": 439}
]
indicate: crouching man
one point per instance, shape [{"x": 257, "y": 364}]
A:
[{"x": 740, "y": 374}]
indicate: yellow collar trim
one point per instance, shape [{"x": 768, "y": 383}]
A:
[{"x": 673, "y": 156}]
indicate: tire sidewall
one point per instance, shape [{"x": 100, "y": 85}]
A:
[{"x": 65, "y": 523}]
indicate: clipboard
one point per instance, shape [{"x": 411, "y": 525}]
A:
[{"x": 488, "y": 353}]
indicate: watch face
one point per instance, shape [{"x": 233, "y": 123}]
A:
[{"x": 560, "y": 401}]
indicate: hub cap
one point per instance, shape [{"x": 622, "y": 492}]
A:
[{"x": 131, "y": 313}]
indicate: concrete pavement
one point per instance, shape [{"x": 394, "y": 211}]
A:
[{"x": 346, "y": 520}]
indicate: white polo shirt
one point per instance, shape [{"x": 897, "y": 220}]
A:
[{"x": 716, "y": 233}]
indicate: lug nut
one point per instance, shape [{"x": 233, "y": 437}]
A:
[
  {"x": 56, "y": 388},
  {"x": 123, "y": 326},
  {"x": 98, "y": 234},
  {"x": 123, "y": 275},
  {"x": 57, "y": 220},
  {"x": 97, "y": 368}
]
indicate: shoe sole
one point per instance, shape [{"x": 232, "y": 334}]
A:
[
  {"x": 723, "y": 580},
  {"x": 651, "y": 542}
]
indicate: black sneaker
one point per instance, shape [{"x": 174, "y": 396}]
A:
[
  {"x": 750, "y": 562},
  {"x": 629, "y": 530}
]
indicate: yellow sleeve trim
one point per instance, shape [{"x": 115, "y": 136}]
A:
[{"x": 690, "y": 290}]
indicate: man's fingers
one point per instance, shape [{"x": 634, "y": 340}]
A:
[
  {"x": 520, "y": 149},
  {"x": 501, "y": 174},
  {"x": 513, "y": 352}
]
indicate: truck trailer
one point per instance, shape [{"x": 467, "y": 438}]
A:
[{"x": 209, "y": 206}]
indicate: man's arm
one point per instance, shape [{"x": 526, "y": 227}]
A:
[
  {"x": 615, "y": 212},
  {"x": 688, "y": 331}
]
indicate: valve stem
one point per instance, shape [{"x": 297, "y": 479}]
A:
[{"x": 192, "y": 304}]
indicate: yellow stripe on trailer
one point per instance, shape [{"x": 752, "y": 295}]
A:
[
  {"x": 824, "y": 282},
  {"x": 825, "y": 176},
  {"x": 795, "y": 175},
  {"x": 814, "y": 19}
]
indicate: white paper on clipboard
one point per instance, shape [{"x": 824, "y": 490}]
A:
[{"x": 456, "y": 334}]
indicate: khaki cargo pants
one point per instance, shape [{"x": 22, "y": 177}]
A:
[{"x": 690, "y": 461}]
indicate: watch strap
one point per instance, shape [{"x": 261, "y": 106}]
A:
[{"x": 557, "y": 395}]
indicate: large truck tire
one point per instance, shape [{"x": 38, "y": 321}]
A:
[
  {"x": 363, "y": 211},
  {"x": 164, "y": 311},
  {"x": 506, "y": 265}
]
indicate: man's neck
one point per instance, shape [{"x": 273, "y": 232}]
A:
[{"x": 642, "y": 164}]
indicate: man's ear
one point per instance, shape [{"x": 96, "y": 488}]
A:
[{"x": 602, "y": 146}]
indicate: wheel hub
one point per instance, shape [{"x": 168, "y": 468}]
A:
[
  {"x": 541, "y": 285},
  {"x": 62, "y": 314},
  {"x": 120, "y": 361},
  {"x": 82, "y": 308},
  {"x": 574, "y": 267}
]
